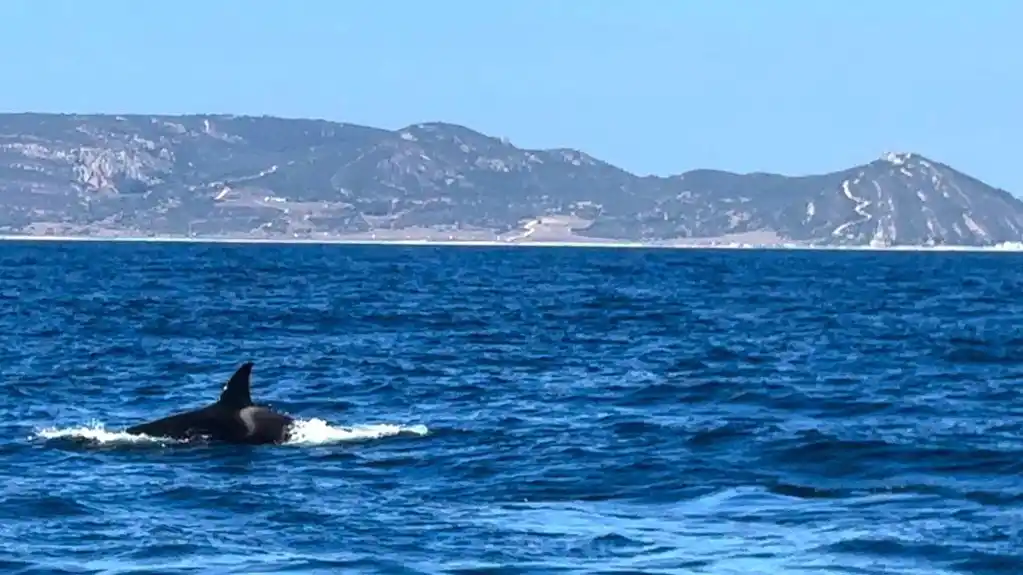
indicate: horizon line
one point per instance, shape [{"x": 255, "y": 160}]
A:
[{"x": 1004, "y": 247}]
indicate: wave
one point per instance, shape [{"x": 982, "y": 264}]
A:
[{"x": 305, "y": 432}]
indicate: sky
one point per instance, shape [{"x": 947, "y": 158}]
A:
[{"x": 652, "y": 86}]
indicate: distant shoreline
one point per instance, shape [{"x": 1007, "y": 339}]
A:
[{"x": 1000, "y": 248}]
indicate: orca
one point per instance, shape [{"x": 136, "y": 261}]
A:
[{"x": 232, "y": 418}]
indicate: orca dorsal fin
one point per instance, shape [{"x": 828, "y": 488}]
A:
[{"x": 236, "y": 392}]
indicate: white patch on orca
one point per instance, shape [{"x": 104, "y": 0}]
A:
[{"x": 248, "y": 417}]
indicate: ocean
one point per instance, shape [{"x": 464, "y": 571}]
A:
[{"x": 467, "y": 410}]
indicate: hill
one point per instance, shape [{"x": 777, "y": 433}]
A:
[{"x": 231, "y": 176}]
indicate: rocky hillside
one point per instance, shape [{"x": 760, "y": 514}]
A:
[{"x": 208, "y": 176}]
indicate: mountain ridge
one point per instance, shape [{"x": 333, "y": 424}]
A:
[{"x": 271, "y": 177}]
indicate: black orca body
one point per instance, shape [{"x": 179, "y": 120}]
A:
[{"x": 233, "y": 418}]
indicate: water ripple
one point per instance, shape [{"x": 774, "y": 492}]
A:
[{"x": 514, "y": 410}]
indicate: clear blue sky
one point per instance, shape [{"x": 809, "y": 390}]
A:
[{"x": 653, "y": 86}]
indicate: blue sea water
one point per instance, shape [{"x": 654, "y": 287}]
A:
[{"x": 519, "y": 410}]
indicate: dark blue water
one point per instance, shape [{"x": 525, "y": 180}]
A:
[{"x": 478, "y": 410}]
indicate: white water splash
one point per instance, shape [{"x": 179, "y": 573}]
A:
[
  {"x": 319, "y": 432},
  {"x": 96, "y": 432},
  {"x": 305, "y": 432}
]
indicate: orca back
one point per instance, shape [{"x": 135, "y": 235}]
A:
[{"x": 185, "y": 425}]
